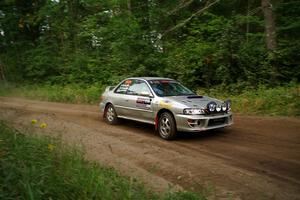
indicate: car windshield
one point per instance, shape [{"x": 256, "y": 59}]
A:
[{"x": 165, "y": 88}]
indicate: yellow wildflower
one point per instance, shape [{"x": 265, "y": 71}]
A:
[
  {"x": 51, "y": 147},
  {"x": 43, "y": 125},
  {"x": 34, "y": 121}
]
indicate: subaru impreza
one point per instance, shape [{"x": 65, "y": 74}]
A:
[{"x": 165, "y": 103}]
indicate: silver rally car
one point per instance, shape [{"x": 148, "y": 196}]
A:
[{"x": 166, "y": 103}]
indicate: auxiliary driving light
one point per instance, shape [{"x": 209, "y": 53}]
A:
[
  {"x": 218, "y": 108},
  {"x": 211, "y": 106},
  {"x": 224, "y": 107}
]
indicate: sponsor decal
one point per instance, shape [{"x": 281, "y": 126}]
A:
[
  {"x": 161, "y": 81},
  {"x": 143, "y": 103},
  {"x": 123, "y": 88},
  {"x": 165, "y": 81},
  {"x": 165, "y": 104}
]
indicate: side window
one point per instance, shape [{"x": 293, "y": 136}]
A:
[
  {"x": 122, "y": 89},
  {"x": 138, "y": 87}
]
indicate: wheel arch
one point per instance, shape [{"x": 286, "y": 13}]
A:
[{"x": 105, "y": 108}]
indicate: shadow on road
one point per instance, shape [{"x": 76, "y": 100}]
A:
[{"x": 143, "y": 128}]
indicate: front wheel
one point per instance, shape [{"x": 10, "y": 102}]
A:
[
  {"x": 167, "y": 127},
  {"x": 111, "y": 115}
]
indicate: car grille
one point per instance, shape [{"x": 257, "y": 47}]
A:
[{"x": 217, "y": 121}]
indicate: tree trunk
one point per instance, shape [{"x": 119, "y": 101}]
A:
[
  {"x": 129, "y": 6},
  {"x": 2, "y": 76},
  {"x": 182, "y": 23},
  {"x": 269, "y": 24},
  {"x": 248, "y": 26}
]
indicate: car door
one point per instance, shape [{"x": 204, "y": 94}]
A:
[
  {"x": 120, "y": 99},
  {"x": 140, "y": 101}
]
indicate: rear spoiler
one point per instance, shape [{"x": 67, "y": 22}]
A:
[{"x": 109, "y": 88}]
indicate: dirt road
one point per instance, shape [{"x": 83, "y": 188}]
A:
[{"x": 256, "y": 158}]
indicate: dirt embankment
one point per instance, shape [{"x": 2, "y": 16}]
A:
[{"x": 256, "y": 158}]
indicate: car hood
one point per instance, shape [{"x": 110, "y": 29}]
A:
[{"x": 193, "y": 101}]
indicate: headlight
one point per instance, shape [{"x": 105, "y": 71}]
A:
[{"x": 193, "y": 111}]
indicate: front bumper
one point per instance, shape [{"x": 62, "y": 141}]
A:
[
  {"x": 101, "y": 106},
  {"x": 196, "y": 123}
]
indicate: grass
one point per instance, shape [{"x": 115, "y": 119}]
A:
[
  {"x": 36, "y": 167},
  {"x": 277, "y": 101},
  {"x": 71, "y": 93}
]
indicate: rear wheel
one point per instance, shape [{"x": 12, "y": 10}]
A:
[
  {"x": 111, "y": 115},
  {"x": 166, "y": 126}
]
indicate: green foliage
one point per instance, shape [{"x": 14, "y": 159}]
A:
[
  {"x": 234, "y": 58},
  {"x": 33, "y": 167},
  {"x": 72, "y": 93},
  {"x": 90, "y": 42},
  {"x": 278, "y": 101}
]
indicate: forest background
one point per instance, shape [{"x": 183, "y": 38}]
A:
[{"x": 69, "y": 50}]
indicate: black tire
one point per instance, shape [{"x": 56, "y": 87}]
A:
[
  {"x": 111, "y": 116},
  {"x": 167, "y": 126}
]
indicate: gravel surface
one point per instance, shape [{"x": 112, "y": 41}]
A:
[{"x": 256, "y": 158}]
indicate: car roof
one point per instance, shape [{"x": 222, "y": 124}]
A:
[{"x": 151, "y": 78}]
